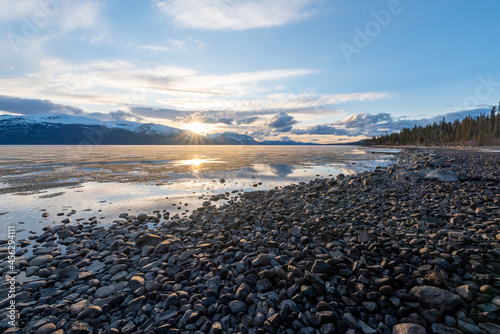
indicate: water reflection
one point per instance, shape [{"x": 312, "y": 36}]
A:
[
  {"x": 112, "y": 180},
  {"x": 282, "y": 170}
]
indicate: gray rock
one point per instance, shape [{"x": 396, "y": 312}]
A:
[
  {"x": 76, "y": 308},
  {"x": 325, "y": 317},
  {"x": 408, "y": 329},
  {"x": 237, "y": 306},
  {"x": 242, "y": 292},
  {"x": 136, "y": 282},
  {"x": 351, "y": 321},
  {"x": 105, "y": 291},
  {"x": 135, "y": 304},
  {"x": 263, "y": 285},
  {"x": 129, "y": 328},
  {"x": 46, "y": 329},
  {"x": 172, "y": 243},
  {"x": 365, "y": 328},
  {"x": 41, "y": 260},
  {"x": 70, "y": 272},
  {"x": 438, "y": 298},
  {"x": 465, "y": 291},
  {"x": 117, "y": 268},
  {"x": 186, "y": 255},
  {"x": 320, "y": 266},
  {"x": 442, "y": 175},
  {"x": 441, "y": 329},
  {"x": 79, "y": 328},
  {"x": 148, "y": 239},
  {"x": 90, "y": 312},
  {"x": 469, "y": 328},
  {"x": 262, "y": 260},
  {"x": 490, "y": 327}
]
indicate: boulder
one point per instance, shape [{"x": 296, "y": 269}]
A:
[
  {"x": 442, "y": 175},
  {"x": 434, "y": 297},
  {"x": 148, "y": 239}
]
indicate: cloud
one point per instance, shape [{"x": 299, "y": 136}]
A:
[
  {"x": 121, "y": 83},
  {"x": 364, "y": 120},
  {"x": 321, "y": 129},
  {"x": 207, "y": 118},
  {"x": 85, "y": 15},
  {"x": 235, "y": 14},
  {"x": 161, "y": 113},
  {"x": 283, "y": 129},
  {"x": 297, "y": 103},
  {"x": 282, "y": 122},
  {"x": 34, "y": 16},
  {"x": 176, "y": 45},
  {"x": 120, "y": 115},
  {"x": 376, "y": 124},
  {"x": 24, "y": 106},
  {"x": 248, "y": 120}
]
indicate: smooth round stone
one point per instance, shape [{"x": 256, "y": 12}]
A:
[
  {"x": 237, "y": 306},
  {"x": 486, "y": 289},
  {"x": 408, "y": 329},
  {"x": 46, "y": 329}
]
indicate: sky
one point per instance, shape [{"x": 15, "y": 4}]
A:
[{"x": 320, "y": 71}]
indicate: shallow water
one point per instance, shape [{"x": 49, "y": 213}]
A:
[{"x": 104, "y": 181}]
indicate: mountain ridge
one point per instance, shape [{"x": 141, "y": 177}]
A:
[
  {"x": 47, "y": 129},
  {"x": 57, "y": 129}
]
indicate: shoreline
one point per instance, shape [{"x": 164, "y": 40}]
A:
[{"x": 364, "y": 253}]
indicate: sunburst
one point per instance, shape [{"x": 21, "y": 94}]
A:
[{"x": 196, "y": 127}]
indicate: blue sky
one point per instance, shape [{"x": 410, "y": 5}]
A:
[{"x": 309, "y": 70}]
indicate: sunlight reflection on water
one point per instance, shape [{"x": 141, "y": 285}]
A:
[{"x": 167, "y": 178}]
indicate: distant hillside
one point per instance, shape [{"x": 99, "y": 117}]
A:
[{"x": 481, "y": 130}]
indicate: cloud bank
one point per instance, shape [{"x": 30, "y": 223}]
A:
[{"x": 235, "y": 14}]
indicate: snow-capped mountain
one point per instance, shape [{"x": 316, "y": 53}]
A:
[
  {"x": 49, "y": 129},
  {"x": 231, "y": 138},
  {"x": 145, "y": 128}
]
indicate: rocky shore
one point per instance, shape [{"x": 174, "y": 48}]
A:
[{"x": 411, "y": 248}]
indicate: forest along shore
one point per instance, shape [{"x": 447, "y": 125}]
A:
[{"x": 395, "y": 250}]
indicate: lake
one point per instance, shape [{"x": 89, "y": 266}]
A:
[{"x": 80, "y": 182}]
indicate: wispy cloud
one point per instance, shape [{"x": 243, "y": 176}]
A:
[
  {"x": 203, "y": 117},
  {"x": 175, "y": 45},
  {"x": 29, "y": 25},
  {"x": 309, "y": 103},
  {"x": 81, "y": 15},
  {"x": 118, "y": 82},
  {"x": 235, "y": 14}
]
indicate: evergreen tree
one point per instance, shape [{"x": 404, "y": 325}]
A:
[{"x": 483, "y": 129}]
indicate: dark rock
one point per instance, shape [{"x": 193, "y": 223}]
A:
[
  {"x": 408, "y": 329},
  {"x": 438, "y": 298},
  {"x": 237, "y": 306},
  {"x": 262, "y": 260}
]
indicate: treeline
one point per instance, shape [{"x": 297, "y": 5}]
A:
[{"x": 481, "y": 130}]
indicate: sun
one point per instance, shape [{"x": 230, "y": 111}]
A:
[{"x": 196, "y": 127}]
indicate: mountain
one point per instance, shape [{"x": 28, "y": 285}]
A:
[
  {"x": 231, "y": 138},
  {"x": 52, "y": 129}
]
